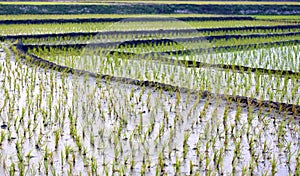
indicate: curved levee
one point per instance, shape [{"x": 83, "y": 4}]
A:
[{"x": 246, "y": 101}]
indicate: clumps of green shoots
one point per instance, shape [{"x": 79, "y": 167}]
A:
[
  {"x": 274, "y": 165},
  {"x": 185, "y": 144},
  {"x": 3, "y": 135},
  {"x": 57, "y": 135}
]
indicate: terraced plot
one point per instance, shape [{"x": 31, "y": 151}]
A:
[{"x": 138, "y": 97}]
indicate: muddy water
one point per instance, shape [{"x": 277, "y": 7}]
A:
[
  {"x": 277, "y": 58},
  {"x": 255, "y": 84},
  {"x": 128, "y": 128}
]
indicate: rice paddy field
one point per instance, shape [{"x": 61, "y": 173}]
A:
[{"x": 151, "y": 94}]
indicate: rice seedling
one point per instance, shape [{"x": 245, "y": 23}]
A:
[{"x": 136, "y": 110}]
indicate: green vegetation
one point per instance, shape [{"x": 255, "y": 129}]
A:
[
  {"x": 83, "y": 16},
  {"x": 87, "y": 16},
  {"x": 289, "y": 18},
  {"x": 125, "y": 26},
  {"x": 96, "y": 61},
  {"x": 142, "y": 97}
]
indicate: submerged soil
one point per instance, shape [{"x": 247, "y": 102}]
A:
[{"x": 110, "y": 127}]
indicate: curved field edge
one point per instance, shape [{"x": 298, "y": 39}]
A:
[
  {"x": 188, "y": 63},
  {"x": 74, "y": 34},
  {"x": 111, "y": 16},
  {"x": 291, "y": 109},
  {"x": 201, "y": 118},
  {"x": 83, "y": 16},
  {"x": 178, "y": 41},
  {"x": 193, "y": 39}
]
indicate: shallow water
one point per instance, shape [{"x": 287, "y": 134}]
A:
[
  {"x": 273, "y": 87},
  {"x": 126, "y": 128}
]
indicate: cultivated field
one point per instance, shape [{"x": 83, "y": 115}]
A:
[{"x": 171, "y": 94}]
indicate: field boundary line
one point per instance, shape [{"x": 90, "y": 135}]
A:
[
  {"x": 292, "y": 109},
  {"x": 74, "y": 34}
]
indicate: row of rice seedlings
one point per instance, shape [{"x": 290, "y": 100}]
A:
[
  {"x": 281, "y": 58},
  {"x": 198, "y": 44},
  {"x": 173, "y": 46},
  {"x": 267, "y": 86},
  {"x": 289, "y": 18},
  {"x": 235, "y": 23},
  {"x": 83, "y": 16},
  {"x": 60, "y": 124},
  {"x": 139, "y": 36},
  {"x": 204, "y": 44},
  {"x": 109, "y": 38},
  {"x": 15, "y": 29},
  {"x": 253, "y": 40},
  {"x": 251, "y": 31}
]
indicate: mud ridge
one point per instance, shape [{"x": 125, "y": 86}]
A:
[
  {"x": 197, "y": 64},
  {"x": 292, "y": 109},
  {"x": 145, "y": 32},
  {"x": 134, "y": 43},
  {"x": 116, "y": 45}
]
